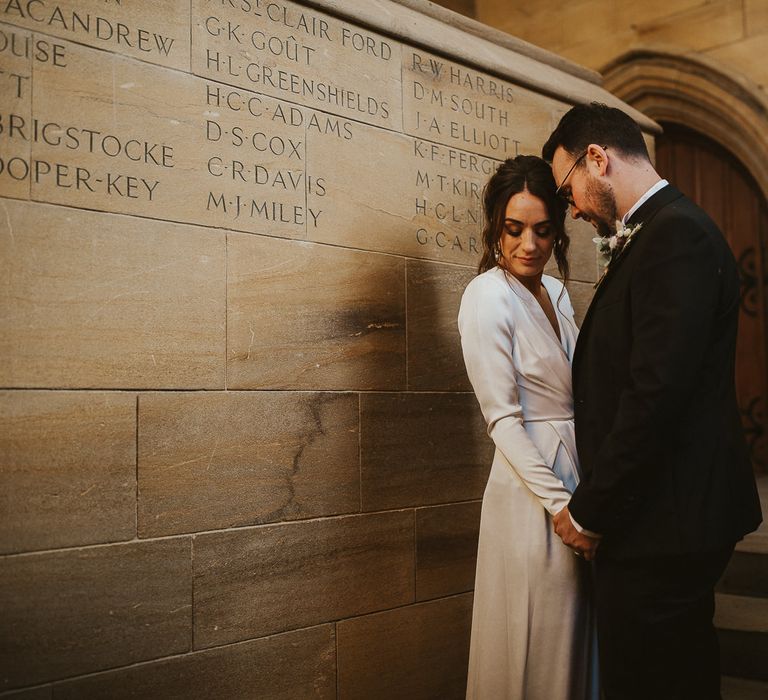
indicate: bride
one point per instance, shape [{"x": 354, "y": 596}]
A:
[{"x": 532, "y": 627}]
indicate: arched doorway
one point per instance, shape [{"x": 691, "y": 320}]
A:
[{"x": 722, "y": 186}]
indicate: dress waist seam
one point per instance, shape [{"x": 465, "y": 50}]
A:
[{"x": 564, "y": 419}]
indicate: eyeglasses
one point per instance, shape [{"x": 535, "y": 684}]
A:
[{"x": 568, "y": 196}]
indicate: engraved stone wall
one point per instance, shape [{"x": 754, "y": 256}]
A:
[{"x": 239, "y": 455}]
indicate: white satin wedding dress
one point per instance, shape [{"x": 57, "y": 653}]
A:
[{"x": 533, "y": 633}]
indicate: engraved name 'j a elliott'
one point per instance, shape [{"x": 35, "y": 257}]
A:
[{"x": 485, "y": 103}]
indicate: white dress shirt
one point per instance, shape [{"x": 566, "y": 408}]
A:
[{"x": 648, "y": 194}]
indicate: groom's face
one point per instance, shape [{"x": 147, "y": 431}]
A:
[
  {"x": 588, "y": 197},
  {"x": 600, "y": 206}
]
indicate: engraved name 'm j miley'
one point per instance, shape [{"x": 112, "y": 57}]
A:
[{"x": 277, "y": 212}]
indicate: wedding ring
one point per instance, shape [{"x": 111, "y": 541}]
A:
[{"x": 578, "y": 553}]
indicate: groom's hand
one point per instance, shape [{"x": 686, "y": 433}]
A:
[{"x": 571, "y": 537}]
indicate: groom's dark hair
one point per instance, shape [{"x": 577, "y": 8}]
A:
[{"x": 600, "y": 124}]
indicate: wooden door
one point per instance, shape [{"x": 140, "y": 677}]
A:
[{"x": 717, "y": 182}]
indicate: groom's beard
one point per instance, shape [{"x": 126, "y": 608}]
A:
[
  {"x": 604, "y": 213},
  {"x": 604, "y": 230}
]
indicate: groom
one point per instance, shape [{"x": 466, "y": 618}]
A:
[{"x": 667, "y": 486}]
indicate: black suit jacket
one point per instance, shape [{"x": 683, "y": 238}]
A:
[{"x": 664, "y": 461}]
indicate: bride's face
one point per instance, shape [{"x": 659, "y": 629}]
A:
[{"x": 527, "y": 238}]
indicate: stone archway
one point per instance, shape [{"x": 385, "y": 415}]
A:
[{"x": 698, "y": 94}]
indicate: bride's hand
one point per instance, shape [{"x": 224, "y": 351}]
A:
[{"x": 581, "y": 544}]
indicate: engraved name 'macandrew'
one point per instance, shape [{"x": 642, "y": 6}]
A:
[{"x": 52, "y": 18}]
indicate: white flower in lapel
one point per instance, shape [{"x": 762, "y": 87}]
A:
[{"x": 611, "y": 247}]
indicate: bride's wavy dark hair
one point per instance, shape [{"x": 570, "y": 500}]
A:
[{"x": 512, "y": 176}]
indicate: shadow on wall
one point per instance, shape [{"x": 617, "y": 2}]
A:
[{"x": 319, "y": 484}]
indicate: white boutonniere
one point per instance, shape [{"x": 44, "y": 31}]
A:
[{"x": 611, "y": 247}]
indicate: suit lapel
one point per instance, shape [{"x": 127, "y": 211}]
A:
[{"x": 644, "y": 215}]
